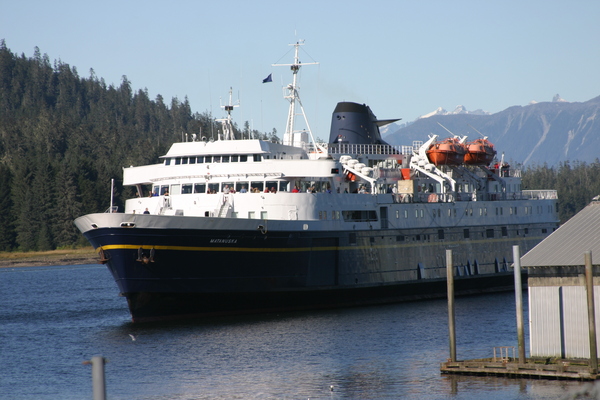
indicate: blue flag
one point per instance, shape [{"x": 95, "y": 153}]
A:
[{"x": 268, "y": 79}]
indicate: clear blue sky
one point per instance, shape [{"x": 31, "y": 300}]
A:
[{"x": 403, "y": 58}]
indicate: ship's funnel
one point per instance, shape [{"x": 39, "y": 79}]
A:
[{"x": 354, "y": 123}]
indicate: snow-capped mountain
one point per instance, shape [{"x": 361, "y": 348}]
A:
[
  {"x": 546, "y": 132},
  {"x": 458, "y": 110}
]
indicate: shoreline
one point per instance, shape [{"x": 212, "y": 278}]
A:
[{"x": 81, "y": 256}]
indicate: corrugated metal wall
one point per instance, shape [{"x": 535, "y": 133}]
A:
[
  {"x": 544, "y": 322},
  {"x": 558, "y": 322}
]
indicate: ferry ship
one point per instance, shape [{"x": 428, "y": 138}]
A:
[{"x": 241, "y": 225}]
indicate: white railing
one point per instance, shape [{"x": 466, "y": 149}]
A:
[
  {"x": 540, "y": 194},
  {"x": 344, "y": 148}
]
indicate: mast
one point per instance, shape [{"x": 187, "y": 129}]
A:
[
  {"x": 292, "y": 137},
  {"x": 226, "y": 122}
]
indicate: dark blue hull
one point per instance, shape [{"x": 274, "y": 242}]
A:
[{"x": 173, "y": 273}]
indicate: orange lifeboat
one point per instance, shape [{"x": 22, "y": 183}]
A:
[
  {"x": 479, "y": 152},
  {"x": 446, "y": 152}
]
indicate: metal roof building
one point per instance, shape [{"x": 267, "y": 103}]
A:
[{"x": 558, "y": 319}]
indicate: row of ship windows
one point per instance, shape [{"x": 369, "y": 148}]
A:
[
  {"x": 213, "y": 159},
  {"x": 371, "y": 215},
  {"x": 243, "y": 187},
  {"x": 528, "y": 210},
  {"x": 466, "y": 234}
]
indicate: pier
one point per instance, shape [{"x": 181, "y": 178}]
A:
[
  {"x": 532, "y": 368},
  {"x": 504, "y": 362}
]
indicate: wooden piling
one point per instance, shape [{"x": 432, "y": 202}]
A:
[
  {"x": 450, "y": 283},
  {"x": 519, "y": 304},
  {"x": 589, "y": 280}
]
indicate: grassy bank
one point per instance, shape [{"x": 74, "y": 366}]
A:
[{"x": 84, "y": 255}]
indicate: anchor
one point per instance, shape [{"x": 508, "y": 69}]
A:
[{"x": 143, "y": 258}]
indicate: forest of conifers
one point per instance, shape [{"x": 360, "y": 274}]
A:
[{"x": 64, "y": 137}]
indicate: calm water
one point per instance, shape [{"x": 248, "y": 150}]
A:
[{"x": 54, "y": 318}]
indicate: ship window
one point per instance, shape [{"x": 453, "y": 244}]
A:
[
  {"x": 207, "y": 159},
  {"x": 225, "y": 159},
  {"x": 416, "y": 213},
  {"x": 175, "y": 189},
  {"x": 186, "y": 188},
  {"x": 184, "y": 160},
  {"x": 271, "y": 186},
  {"x": 243, "y": 158},
  {"x": 466, "y": 233},
  {"x": 360, "y": 215},
  {"x": 544, "y": 230},
  {"x": 177, "y": 160},
  {"x": 400, "y": 238},
  {"x": 283, "y": 186},
  {"x": 229, "y": 186},
  {"x": 489, "y": 233},
  {"x": 216, "y": 159},
  {"x": 199, "y": 187},
  {"x": 241, "y": 187},
  {"x": 155, "y": 190},
  {"x": 250, "y": 214},
  {"x": 200, "y": 159},
  {"x": 263, "y": 215},
  {"x": 397, "y": 214},
  {"x": 526, "y": 231},
  {"x": 405, "y": 213},
  {"x": 164, "y": 189},
  {"x": 257, "y": 158},
  {"x": 504, "y": 231},
  {"x": 421, "y": 213},
  {"x": 440, "y": 234},
  {"x": 192, "y": 160},
  {"x": 213, "y": 188},
  {"x": 257, "y": 187},
  {"x": 235, "y": 158},
  {"x": 167, "y": 161}
]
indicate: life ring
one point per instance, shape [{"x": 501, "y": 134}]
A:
[{"x": 350, "y": 177}]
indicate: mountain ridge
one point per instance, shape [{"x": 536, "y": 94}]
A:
[{"x": 546, "y": 132}]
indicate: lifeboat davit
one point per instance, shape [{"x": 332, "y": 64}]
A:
[
  {"x": 479, "y": 152},
  {"x": 446, "y": 152}
]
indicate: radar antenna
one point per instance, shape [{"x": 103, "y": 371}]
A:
[{"x": 226, "y": 123}]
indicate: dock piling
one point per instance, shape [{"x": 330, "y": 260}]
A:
[
  {"x": 450, "y": 282},
  {"x": 98, "y": 382},
  {"x": 589, "y": 280},
  {"x": 519, "y": 304}
]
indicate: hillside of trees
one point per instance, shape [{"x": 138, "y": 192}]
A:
[
  {"x": 64, "y": 137},
  {"x": 577, "y": 184}
]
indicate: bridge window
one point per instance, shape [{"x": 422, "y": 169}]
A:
[
  {"x": 199, "y": 187},
  {"x": 360, "y": 215}
]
